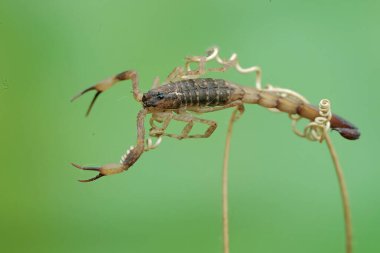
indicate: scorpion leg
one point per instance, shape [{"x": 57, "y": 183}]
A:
[
  {"x": 201, "y": 61},
  {"x": 179, "y": 73},
  {"x": 156, "y": 82},
  {"x": 161, "y": 117},
  {"x": 109, "y": 82},
  {"x": 127, "y": 160},
  {"x": 157, "y": 131},
  {"x": 165, "y": 119},
  {"x": 233, "y": 62},
  {"x": 213, "y": 54},
  {"x": 190, "y": 119}
]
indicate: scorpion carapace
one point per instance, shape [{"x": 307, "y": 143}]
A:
[{"x": 184, "y": 92}]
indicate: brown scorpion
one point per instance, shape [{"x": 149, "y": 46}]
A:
[{"x": 185, "y": 92}]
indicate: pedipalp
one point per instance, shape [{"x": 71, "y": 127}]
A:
[{"x": 108, "y": 83}]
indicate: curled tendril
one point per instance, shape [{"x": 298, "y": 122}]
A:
[
  {"x": 325, "y": 109},
  {"x": 316, "y": 130}
]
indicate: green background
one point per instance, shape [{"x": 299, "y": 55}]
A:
[{"x": 283, "y": 190}]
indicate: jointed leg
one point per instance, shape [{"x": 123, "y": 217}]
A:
[
  {"x": 156, "y": 82},
  {"x": 163, "y": 118},
  {"x": 212, "y": 54},
  {"x": 157, "y": 131},
  {"x": 166, "y": 118},
  {"x": 179, "y": 73},
  {"x": 150, "y": 145},
  {"x": 176, "y": 74},
  {"x": 109, "y": 82},
  {"x": 190, "y": 120}
]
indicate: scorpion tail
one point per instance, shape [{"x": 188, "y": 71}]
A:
[
  {"x": 346, "y": 129},
  {"x": 290, "y": 102}
]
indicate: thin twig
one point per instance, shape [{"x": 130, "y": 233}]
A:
[
  {"x": 226, "y": 241},
  {"x": 343, "y": 192}
]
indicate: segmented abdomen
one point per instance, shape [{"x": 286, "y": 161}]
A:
[{"x": 202, "y": 92}]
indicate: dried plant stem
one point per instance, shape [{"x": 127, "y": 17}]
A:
[
  {"x": 226, "y": 240},
  {"x": 343, "y": 192}
]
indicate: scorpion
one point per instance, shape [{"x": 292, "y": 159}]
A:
[{"x": 185, "y": 93}]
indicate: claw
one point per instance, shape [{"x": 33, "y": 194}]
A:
[
  {"x": 91, "y": 179},
  {"x": 89, "y": 168},
  {"x": 105, "y": 170},
  {"x": 99, "y": 88},
  {"x": 82, "y": 92},
  {"x": 93, "y": 100}
]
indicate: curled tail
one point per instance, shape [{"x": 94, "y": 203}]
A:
[{"x": 290, "y": 102}]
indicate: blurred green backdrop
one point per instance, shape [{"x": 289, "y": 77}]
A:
[{"x": 283, "y": 190}]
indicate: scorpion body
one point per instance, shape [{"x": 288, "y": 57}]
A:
[
  {"x": 202, "y": 93},
  {"x": 185, "y": 92}
]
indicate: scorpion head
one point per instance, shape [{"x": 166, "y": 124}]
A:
[{"x": 159, "y": 99}]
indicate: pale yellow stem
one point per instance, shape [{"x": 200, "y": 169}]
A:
[
  {"x": 226, "y": 241},
  {"x": 343, "y": 192}
]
